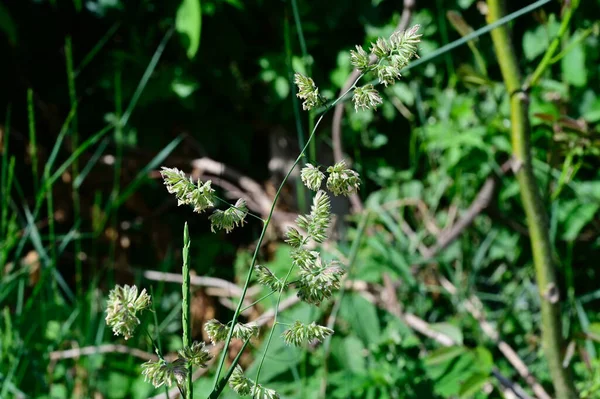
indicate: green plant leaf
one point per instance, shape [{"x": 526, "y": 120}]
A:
[
  {"x": 450, "y": 330},
  {"x": 573, "y": 66},
  {"x": 443, "y": 355},
  {"x": 472, "y": 385},
  {"x": 189, "y": 24}
]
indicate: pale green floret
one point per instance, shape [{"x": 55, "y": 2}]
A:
[
  {"x": 319, "y": 284},
  {"x": 160, "y": 372},
  {"x": 122, "y": 307},
  {"x": 218, "y": 332},
  {"x": 380, "y": 48},
  {"x": 267, "y": 278},
  {"x": 308, "y": 91},
  {"x": 366, "y": 97},
  {"x": 300, "y": 334},
  {"x": 316, "y": 223},
  {"x": 342, "y": 180},
  {"x": 360, "y": 59},
  {"x": 201, "y": 196},
  {"x": 244, "y": 386},
  {"x": 294, "y": 238},
  {"x": 230, "y": 218},
  {"x": 312, "y": 177},
  {"x": 196, "y": 355}
]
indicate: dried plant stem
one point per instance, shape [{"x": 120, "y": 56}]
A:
[
  {"x": 185, "y": 307},
  {"x": 552, "y": 340}
]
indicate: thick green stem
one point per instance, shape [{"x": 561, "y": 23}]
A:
[
  {"x": 185, "y": 307},
  {"x": 537, "y": 221}
]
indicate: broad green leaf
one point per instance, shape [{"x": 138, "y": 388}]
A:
[
  {"x": 444, "y": 354},
  {"x": 362, "y": 317},
  {"x": 573, "y": 66},
  {"x": 189, "y": 24},
  {"x": 472, "y": 385}
]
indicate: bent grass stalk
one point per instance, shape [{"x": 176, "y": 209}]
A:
[{"x": 216, "y": 384}]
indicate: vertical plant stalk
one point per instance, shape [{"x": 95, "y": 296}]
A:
[
  {"x": 362, "y": 225},
  {"x": 75, "y": 165},
  {"x": 32, "y": 139},
  {"x": 537, "y": 220},
  {"x": 217, "y": 387},
  {"x": 185, "y": 307}
]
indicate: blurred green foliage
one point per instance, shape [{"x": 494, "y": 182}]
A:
[{"x": 220, "y": 87}]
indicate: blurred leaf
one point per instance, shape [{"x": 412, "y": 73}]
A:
[
  {"x": 189, "y": 24},
  {"x": 472, "y": 385},
  {"x": 573, "y": 66},
  {"x": 450, "y": 330},
  {"x": 444, "y": 354},
  {"x": 592, "y": 113},
  {"x": 7, "y": 25},
  {"x": 593, "y": 331},
  {"x": 536, "y": 41},
  {"x": 361, "y": 315}
]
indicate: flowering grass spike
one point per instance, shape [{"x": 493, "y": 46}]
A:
[
  {"x": 244, "y": 386},
  {"x": 312, "y": 177},
  {"x": 230, "y": 218},
  {"x": 267, "y": 278},
  {"x": 366, "y": 97},
  {"x": 160, "y": 372},
  {"x": 342, "y": 180},
  {"x": 197, "y": 355},
  {"x": 217, "y": 331},
  {"x": 201, "y": 196},
  {"x": 300, "y": 334},
  {"x": 123, "y": 305},
  {"x": 317, "y": 222},
  {"x": 308, "y": 91}
]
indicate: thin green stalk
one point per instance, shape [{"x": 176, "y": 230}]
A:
[
  {"x": 185, "y": 307},
  {"x": 300, "y": 189},
  {"x": 312, "y": 149},
  {"x": 234, "y": 207},
  {"x": 275, "y": 316},
  {"x": 537, "y": 219},
  {"x": 75, "y": 165},
  {"x": 549, "y": 55},
  {"x": 116, "y": 187},
  {"x": 262, "y": 236},
  {"x": 221, "y": 385},
  {"x": 4, "y": 186},
  {"x": 364, "y": 220},
  {"x": 32, "y": 139},
  {"x": 262, "y": 298}
]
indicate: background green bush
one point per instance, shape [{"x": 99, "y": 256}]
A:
[{"x": 98, "y": 94}]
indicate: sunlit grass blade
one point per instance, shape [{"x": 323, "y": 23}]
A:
[
  {"x": 32, "y": 139},
  {"x": 96, "y": 49},
  {"x": 146, "y": 77},
  {"x": 153, "y": 164},
  {"x": 91, "y": 163}
]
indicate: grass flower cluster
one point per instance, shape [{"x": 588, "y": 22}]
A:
[
  {"x": 217, "y": 331},
  {"x": 313, "y": 279},
  {"x": 123, "y": 305},
  {"x": 244, "y": 386}
]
